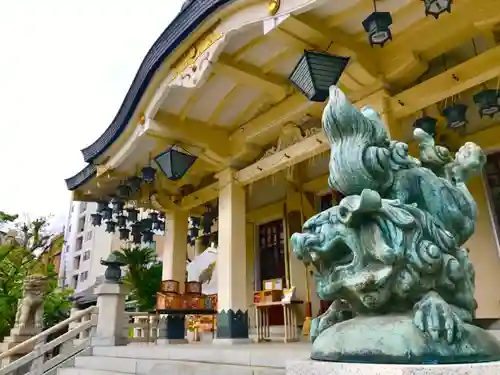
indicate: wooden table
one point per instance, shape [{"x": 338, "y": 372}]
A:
[{"x": 289, "y": 318}]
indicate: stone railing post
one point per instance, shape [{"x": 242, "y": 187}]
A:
[
  {"x": 111, "y": 315},
  {"x": 111, "y": 305}
]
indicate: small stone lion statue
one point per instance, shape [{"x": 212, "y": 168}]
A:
[{"x": 30, "y": 308}]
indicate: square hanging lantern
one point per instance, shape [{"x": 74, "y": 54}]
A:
[
  {"x": 123, "y": 191},
  {"x": 121, "y": 220},
  {"x": 107, "y": 213},
  {"x": 190, "y": 240},
  {"x": 148, "y": 174},
  {"x": 132, "y": 214},
  {"x": 101, "y": 205},
  {"x": 136, "y": 228},
  {"x": 193, "y": 232},
  {"x": 487, "y": 102},
  {"x": 153, "y": 216},
  {"x": 316, "y": 72},
  {"x": 427, "y": 124},
  {"x": 437, "y": 7},
  {"x": 147, "y": 236},
  {"x": 117, "y": 205},
  {"x": 175, "y": 163},
  {"x": 161, "y": 226},
  {"x": 96, "y": 219},
  {"x": 378, "y": 27},
  {"x": 136, "y": 238},
  {"x": 456, "y": 115},
  {"x": 146, "y": 224},
  {"x": 134, "y": 183},
  {"x": 124, "y": 233},
  {"x": 110, "y": 226}
]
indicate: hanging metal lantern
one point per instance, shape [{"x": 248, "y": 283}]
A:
[
  {"x": 175, "y": 162},
  {"x": 148, "y": 174},
  {"x": 193, "y": 232},
  {"x": 427, "y": 124},
  {"x": 117, "y": 205},
  {"x": 153, "y": 216},
  {"x": 121, "y": 220},
  {"x": 456, "y": 115},
  {"x": 147, "y": 236},
  {"x": 437, "y": 7},
  {"x": 158, "y": 225},
  {"x": 124, "y": 234},
  {"x": 132, "y": 214},
  {"x": 110, "y": 226},
  {"x": 161, "y": 226},
  {"x": 123, "y": 191},
  {"x": 146, "y": 224},
  {"x": 161, "y": 215},
  {"x": 378, "y": 27},
  {"x": 96, "y": 219},
  {"x": 190, "y": 240},
  {"x": 136, "y": 228},
  {"x": 487, "y": 102},
  {"x": 316, "y": 72},
  {"x": 136, "y": 238},
  {"x": 195, "y": 221},
  {"x": 134, "y": 183},
  {"x": 107, "y": 213},
  {"x": 101, "y": 205}
]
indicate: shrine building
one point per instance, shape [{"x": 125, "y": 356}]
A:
[{"x": 223, "y": 121}]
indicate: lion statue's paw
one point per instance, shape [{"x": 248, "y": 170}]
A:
[
  {"x": 438, "y": 319},
  {"x": 338, "y": 311}
]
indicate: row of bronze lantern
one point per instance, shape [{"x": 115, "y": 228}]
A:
[
  {"x": 141, "y": 230},
  {"x": 487, "y": 102},
  {"x": 378, "y": 24},
  {"x": 204, "y": 223}
]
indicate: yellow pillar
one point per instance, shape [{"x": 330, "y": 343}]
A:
[
  {"x": 232, "y": 319},
  {"x": 175, "y": 247}
]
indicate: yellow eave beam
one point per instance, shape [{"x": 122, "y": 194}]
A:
[
  {"x": 290, "y": 156},
  {"x": 462, "y": 77},
  {"x": 250, "y": 75},
  {"x": 193, "y": 132}
]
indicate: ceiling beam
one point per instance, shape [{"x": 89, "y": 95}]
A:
[
  {"x": 200, "y": 197},
  {"x": 266, "y": 126},
  {"x": 452, "y": 82},
  {"x": 362, "y": 6},
  {"x": 300, "y": 151},
  {"x": 317, "y": 185},
  {"x": 196, "y": 133},
  {"x": 406, "y": 56},
  {"x": 247, "y": 74}
]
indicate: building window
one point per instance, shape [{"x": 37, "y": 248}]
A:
[
  {"x": 69, "y": 228},
  {"x": 74, "y": 282},
  {"x": 81, "y": 224},
  {"x": 76, "y": 262},
  {"x": 88, "y": 236},
  {"x": 84, "y": 276},
  {"x": 86, "y": 255},
  {"x": 79, "y": 243}
]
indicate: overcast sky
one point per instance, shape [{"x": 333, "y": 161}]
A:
[{"x": 65, "y": 67}]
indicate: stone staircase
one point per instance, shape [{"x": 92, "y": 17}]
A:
[{"x": 191, "y": 359}]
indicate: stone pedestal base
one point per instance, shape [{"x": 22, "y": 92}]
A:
[
  {"x": 171, "y": 341},
  {"x": 336, "y": 368},
  {"x": 16, "y": 337}
]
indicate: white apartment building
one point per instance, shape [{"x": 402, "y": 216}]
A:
[{"x": 85, "y": 245}]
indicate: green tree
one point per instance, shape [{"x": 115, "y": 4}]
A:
[
  {"x": 19, "y": 259},
  {"x": 143, "y": 274}
]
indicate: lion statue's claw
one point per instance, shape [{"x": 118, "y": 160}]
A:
[
  {"x": 437, "y": 318},
  {"x": 338, "y": 311}
]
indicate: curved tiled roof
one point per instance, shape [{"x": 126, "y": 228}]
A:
[
  {"x": 194, "y": 12},
  {"x": 81, "y": 177}
]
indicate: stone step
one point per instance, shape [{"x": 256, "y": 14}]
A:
[
  {"x": 273, "y": 355},
  {"x": 120, "y": 366}
]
